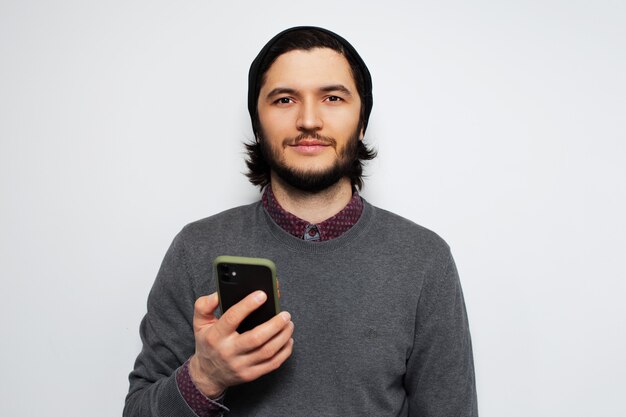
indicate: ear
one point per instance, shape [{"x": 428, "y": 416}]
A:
[{"x": 362, "y": 134}]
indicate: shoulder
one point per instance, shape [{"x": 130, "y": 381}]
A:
[
  {"x": 404, "y": 232},
  {"x": 228, "y": 222},
  {"x": 199, "y": 242}
]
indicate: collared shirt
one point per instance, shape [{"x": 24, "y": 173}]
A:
[{"x": 330, "y": 228}]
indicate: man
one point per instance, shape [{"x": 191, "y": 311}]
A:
[{"x": 374, "y": 322}]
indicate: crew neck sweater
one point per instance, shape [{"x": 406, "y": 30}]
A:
[
  {"x": 380, "y": 322},
  {"x": 328, "y": 229}
]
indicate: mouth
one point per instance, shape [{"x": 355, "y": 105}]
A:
[
  {"x": 309, "y": 146},
  {"x": 310, "y": 142}
]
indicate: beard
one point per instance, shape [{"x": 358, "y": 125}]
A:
[{"x": 313, "y": 181}]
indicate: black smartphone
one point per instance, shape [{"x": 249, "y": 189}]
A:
[{"x": 239, "y": 276}]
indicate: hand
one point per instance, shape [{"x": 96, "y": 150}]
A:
[{"x": 224, "y": 357}]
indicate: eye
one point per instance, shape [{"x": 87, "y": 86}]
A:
[
  {"x": 283, "y": 100},
  {"x": 334, "y": 98}
]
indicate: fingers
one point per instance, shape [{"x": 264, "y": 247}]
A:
[
  {"x": 270, "y": 349},
  {"x": 261, "y": 334},
  {"x": 232, "y": 318},
  {"x": 255, "y": 371},
  {"x": 265, "y": 343}
]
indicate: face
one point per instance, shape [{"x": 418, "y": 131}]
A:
[{"x": 309, "y": 110}]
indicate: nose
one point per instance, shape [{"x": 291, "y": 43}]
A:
[{"x": 309, "y": 118}]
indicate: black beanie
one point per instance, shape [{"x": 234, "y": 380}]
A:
[{"x": 254, "y": 77}]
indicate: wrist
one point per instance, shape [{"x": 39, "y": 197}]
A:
[{"x": 207, "y": 387}]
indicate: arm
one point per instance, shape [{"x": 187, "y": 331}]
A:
[
  {"x": 177, "y": 327},
  {"x": 197, "y": 401},
  {"x": 440, "y": 370},
  {"x": 167, "y": 336}
]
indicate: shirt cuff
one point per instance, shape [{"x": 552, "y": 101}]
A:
[{"x": 202, "y": 405}]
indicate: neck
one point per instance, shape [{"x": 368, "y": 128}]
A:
[{"x": 312, "y": 207}]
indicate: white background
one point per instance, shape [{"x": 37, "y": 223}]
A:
[{"x": 499, "y": 124}]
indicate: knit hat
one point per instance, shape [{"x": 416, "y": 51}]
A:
[{"x": 255, "y": 78}]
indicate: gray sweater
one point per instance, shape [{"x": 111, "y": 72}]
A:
[{"x": 380, "y": 321}]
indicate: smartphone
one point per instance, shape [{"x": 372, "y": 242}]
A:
[{"x": 237, "y": 277}]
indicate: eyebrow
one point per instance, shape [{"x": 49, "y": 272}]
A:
[
  {"x": 282, "y": 90},
  {"x": 336, "y": 87},
  {"x": 326, "y": 89}
]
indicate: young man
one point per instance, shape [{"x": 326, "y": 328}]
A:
[{"x": 374, "y": 322}]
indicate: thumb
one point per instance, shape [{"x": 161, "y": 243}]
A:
[{"x": 204, "y": 311}]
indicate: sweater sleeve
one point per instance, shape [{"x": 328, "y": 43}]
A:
[
  {"x": 167, "y": 335},
  {"x": 440, "y": 369}
]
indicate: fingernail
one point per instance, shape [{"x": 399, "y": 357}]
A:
[
  {"x": 260, "y": 296},
  {"x": 285, "y": 315}
]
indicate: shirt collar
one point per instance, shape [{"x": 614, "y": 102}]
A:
[{"x": 330, "y": 228}]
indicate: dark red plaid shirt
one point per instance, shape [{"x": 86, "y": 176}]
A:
[{"x": 330, "y": 228}]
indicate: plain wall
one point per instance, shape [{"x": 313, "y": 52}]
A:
[{"x": 500, "y": 125}]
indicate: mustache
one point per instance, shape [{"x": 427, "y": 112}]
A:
[{"x": 310, "y": 136}]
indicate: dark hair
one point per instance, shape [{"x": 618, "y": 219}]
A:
[{"x": 305, "y": 38}]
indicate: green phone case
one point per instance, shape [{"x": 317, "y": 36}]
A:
[{"x": 238, "y": 276}]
